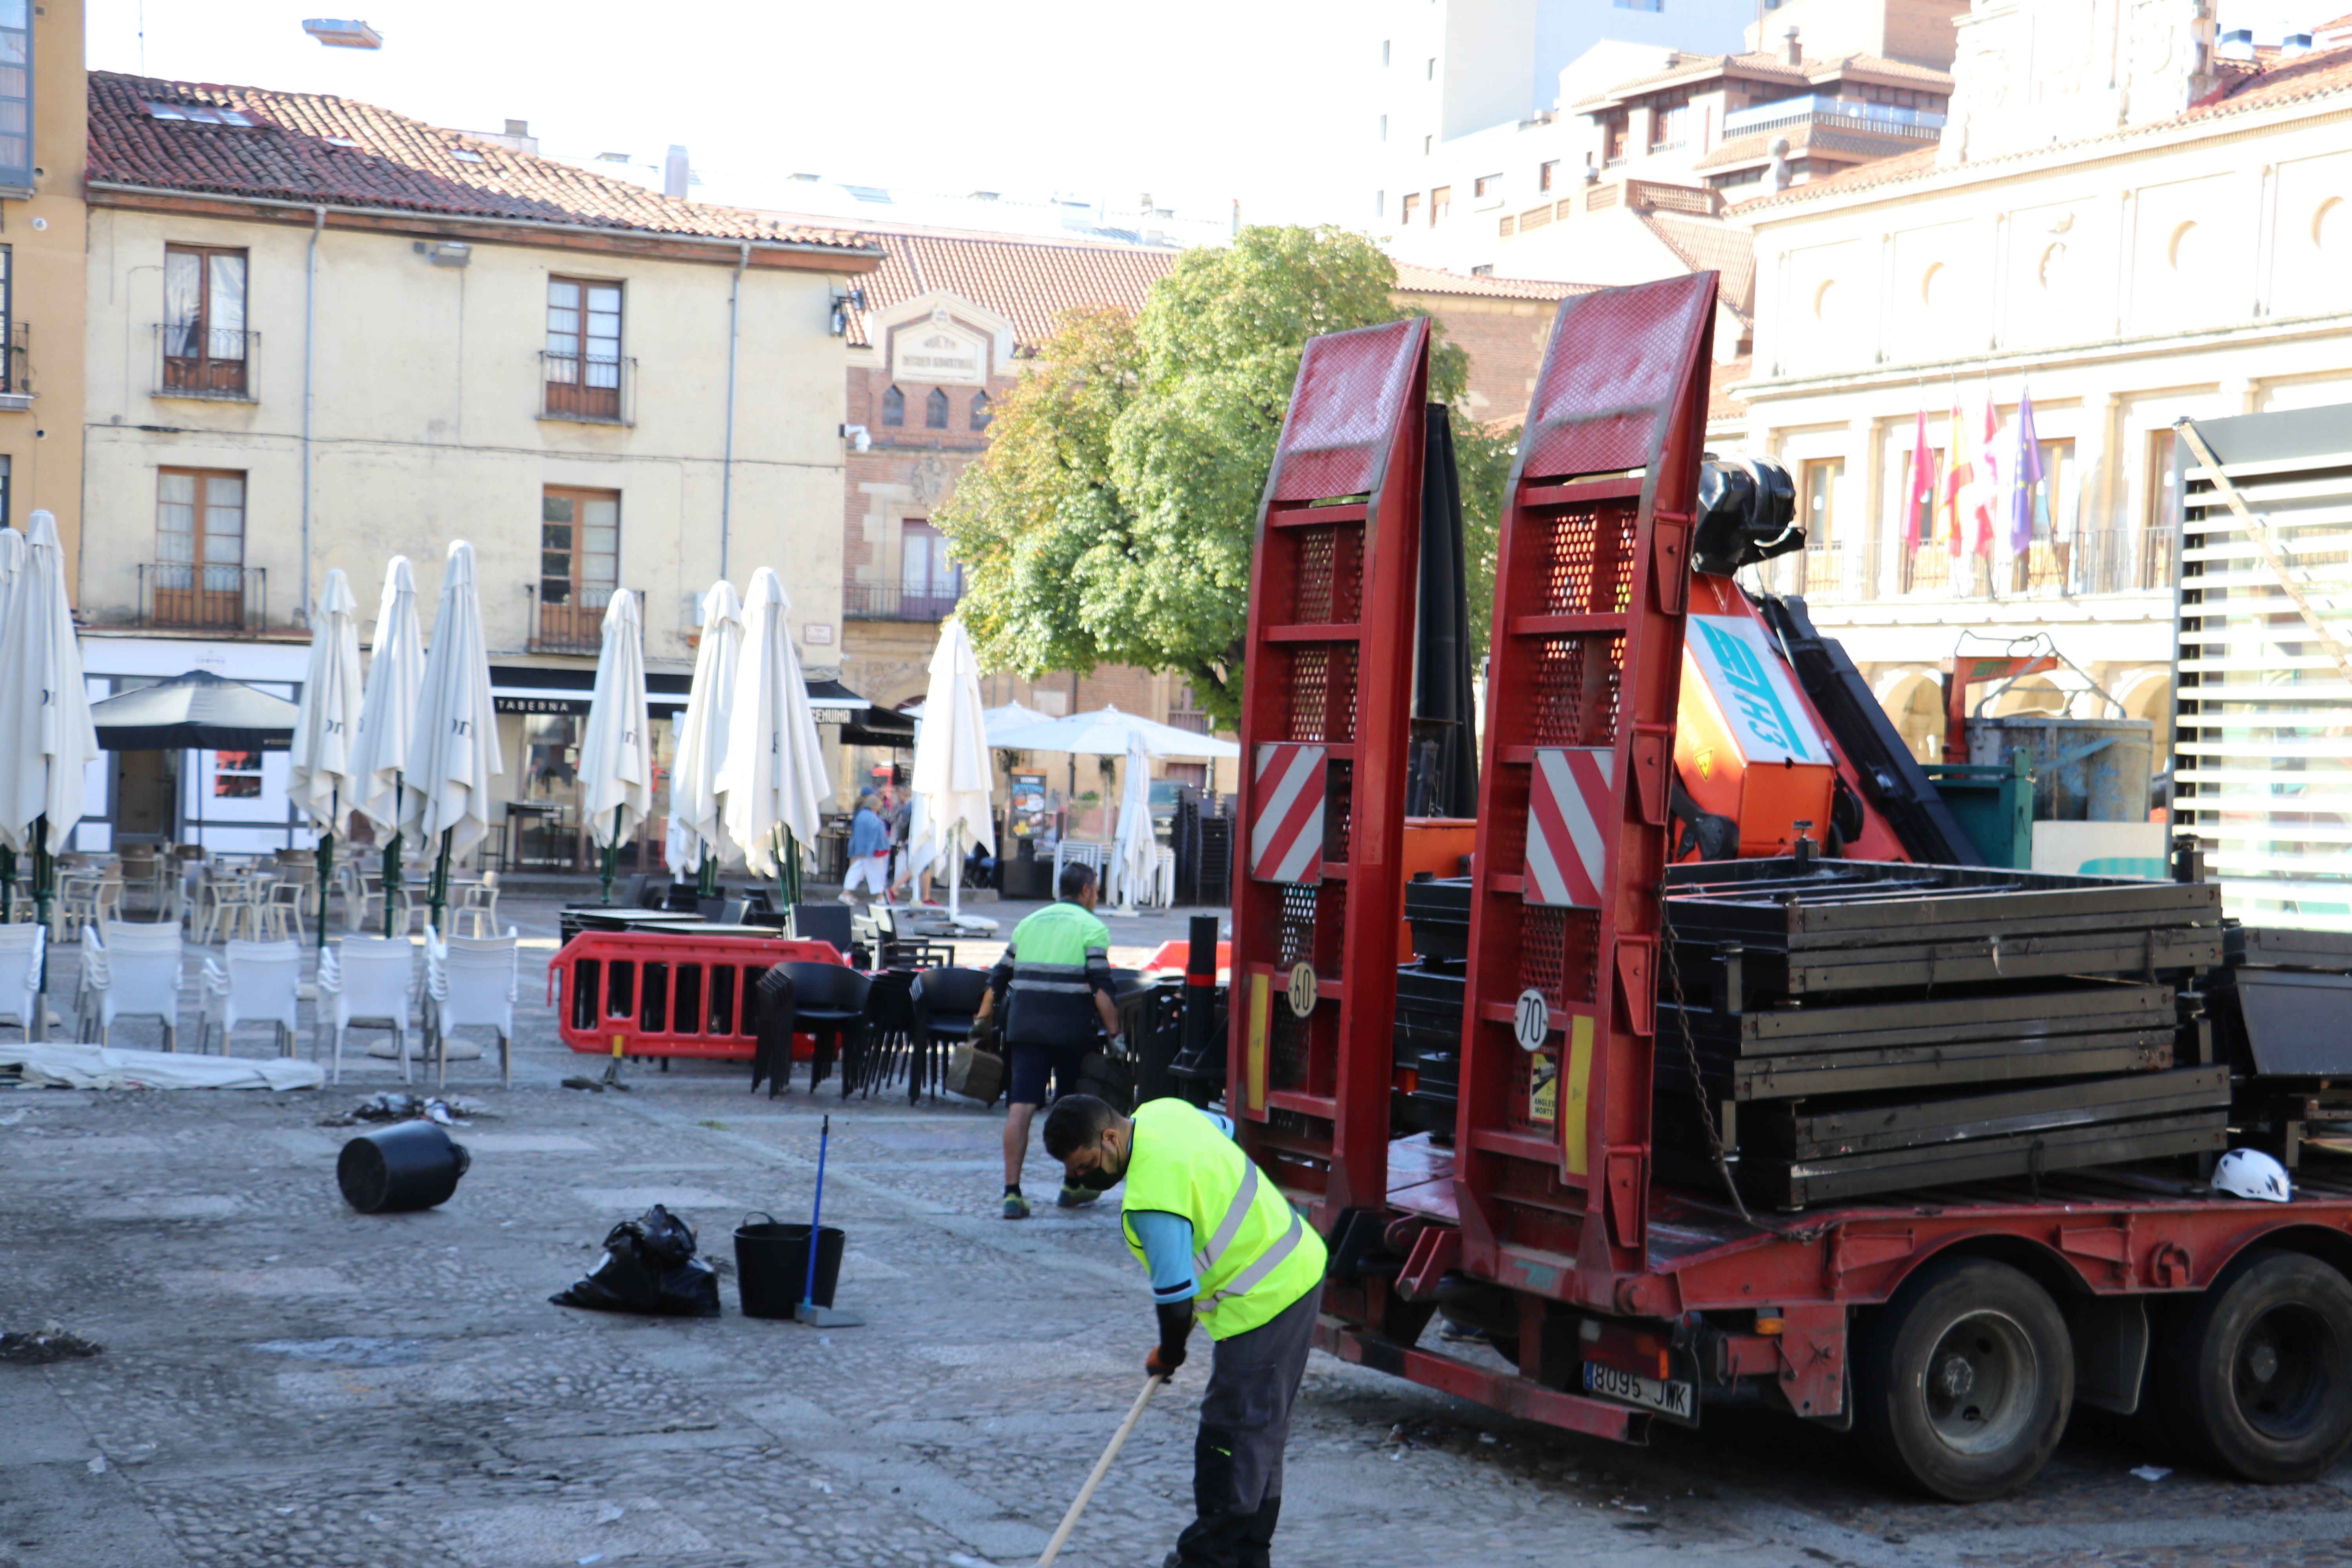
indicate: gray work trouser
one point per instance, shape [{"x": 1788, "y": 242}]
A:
[{"x": 1245, "y": 1427}]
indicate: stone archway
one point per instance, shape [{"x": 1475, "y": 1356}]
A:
[{"x": 1914, "y": 702}]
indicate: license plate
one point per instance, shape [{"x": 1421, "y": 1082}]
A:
[{"x": 1669, "y": 1398}]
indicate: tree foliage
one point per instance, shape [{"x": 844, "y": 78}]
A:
[{"x": 1111, "y": 519}]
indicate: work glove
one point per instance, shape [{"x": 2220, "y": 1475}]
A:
[{"x": 1161, "y": 1362}]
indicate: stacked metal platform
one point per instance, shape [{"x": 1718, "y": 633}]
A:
[
  {"x": 2281, "y": 1008},
  {"x": 1854, "y": 1028}
]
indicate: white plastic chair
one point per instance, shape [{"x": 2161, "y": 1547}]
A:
[
  {"x": 366, "y": 913},
  {"x": 472, "y": 983},
  {"x": 371, "y": 980},
  {"x": 22, "y": 946},
  {"x": 1077, "y": 851},
  {"x": 254, "y": 983},
  {"x": 132, "y": 972},
  {"x": 479, "y": 902},
  {"x": 1164, "y": 878},
  {"x": 281, "y": 903}
]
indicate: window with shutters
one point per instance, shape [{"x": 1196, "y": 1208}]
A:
[
  {"x": 206, "y": 350},
  {"x": 578, "y": 565},
  {"x": 584, "y": 363},
  {"x": 198, "y": 577}
]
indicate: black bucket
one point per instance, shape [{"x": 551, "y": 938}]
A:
[
  {"x": 771, "y": 1266},
  {"x": 411, "y": 1166}
]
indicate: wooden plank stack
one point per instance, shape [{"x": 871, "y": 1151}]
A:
[{"x": 1854, "y": 1028}]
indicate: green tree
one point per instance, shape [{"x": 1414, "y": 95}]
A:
[{"x": 1112, "y": 517}]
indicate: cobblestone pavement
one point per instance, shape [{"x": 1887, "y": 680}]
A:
[{"x": 288, "y": 1383}]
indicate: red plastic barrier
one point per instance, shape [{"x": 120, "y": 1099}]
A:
[
  {"x": 1174, "y": 953},
  {"x": 669, "y": 995}
]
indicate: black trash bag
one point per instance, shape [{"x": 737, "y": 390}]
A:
[{"x": 648, "y": 1266}]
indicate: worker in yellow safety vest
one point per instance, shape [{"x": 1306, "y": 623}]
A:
[{"x": 1224, "y": 1249}]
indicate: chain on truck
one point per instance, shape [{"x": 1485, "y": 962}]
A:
[{"x": 1694, "y": 1042}]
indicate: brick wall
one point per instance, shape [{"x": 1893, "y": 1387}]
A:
[{"x": 1505, "y": 339}]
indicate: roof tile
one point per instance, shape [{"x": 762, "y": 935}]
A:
[
  {"x": 291, "y": 152},
  {"x": 1412, "y": 280}
]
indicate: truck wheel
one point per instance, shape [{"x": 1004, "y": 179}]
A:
[
  {"x": 1964, "y": 1381},
  {"x": 2264, "y": 1359}
]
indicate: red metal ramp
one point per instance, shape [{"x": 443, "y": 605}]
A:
[
  {"x": 1552, "y": 1143},
  {"x": 1326, "y": 687}
]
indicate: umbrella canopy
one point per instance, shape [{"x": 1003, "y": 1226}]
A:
[
  {"x": 1104, "y": 734},
  {"x": 616, "y": 773},
  {"x": 952, "y": 778},
  {"x": 198, "y": 710},
  {"x": 1010, "y": 716},
  {"x": 326, "y": 721},
  {"x": 454, "y": 753},
  {"x": 388, "y": 712},
  {"x": 694, "y": 824},
  {"x": 46, "y": 735},
  {"x": 1135, "y": 853},
  {"x": 773, "y": 774}
]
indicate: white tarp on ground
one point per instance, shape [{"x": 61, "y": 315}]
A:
[{"x": 46, "y": 1063}]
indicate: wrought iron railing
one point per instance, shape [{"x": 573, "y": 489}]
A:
[
  {"x": 894, "y": 602},
  {"x": 576, "y": 626},
  {"x": 591, "y": 388},
  {"x": 182, "y": 596},
  {"x": 193, "y": 360}
]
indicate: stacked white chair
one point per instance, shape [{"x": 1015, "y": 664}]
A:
[
  {"x": 472, "y": 983},
  {"x": 21, "y": 950},
  {"x": 253, "y": 982},
  {"x": 132, "y": 971},
  {"x": 369, "y": 981}
]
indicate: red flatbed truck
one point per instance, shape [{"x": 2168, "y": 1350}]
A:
[{"x": 1956, "y": 1327}]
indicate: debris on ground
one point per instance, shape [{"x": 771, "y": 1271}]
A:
[
  {"x": 2150, "y": 1472},
  {"x": 599, "y": 1084},
  {"x": 648, "y": 1266},
  {"x": 52, "y": 1341},
  {"x": 450, "y": 1112}
]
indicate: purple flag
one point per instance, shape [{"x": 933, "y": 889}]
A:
[{"x": 2024, "y": 473}]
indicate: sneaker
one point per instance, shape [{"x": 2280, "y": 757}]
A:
[
  {"x": 1075, "y": 1197},
  {"x": 845, "y": 899},
  {"x": 1015, "y": 1206}
]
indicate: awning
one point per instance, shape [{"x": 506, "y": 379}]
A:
[
  {"x": 198, "y": 710},
  {"x": 524, "y": 689}
]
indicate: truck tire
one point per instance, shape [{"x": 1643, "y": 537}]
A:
[
  {"x": 2263, "y": 1387},
  {"x": 1963, "y": 1382}
]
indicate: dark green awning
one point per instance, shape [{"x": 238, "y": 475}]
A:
[{"x": 198, "y": 710}]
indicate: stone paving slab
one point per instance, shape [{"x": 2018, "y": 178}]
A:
[{"x": 290, "y": 1383}]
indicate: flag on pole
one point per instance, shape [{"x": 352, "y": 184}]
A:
[
  {"x": 1923, "y": 484},
  {"x": 1958, "y": 476},
  {"x": 2024, "y": 474},
  {"x": 1986, "y": 491}
]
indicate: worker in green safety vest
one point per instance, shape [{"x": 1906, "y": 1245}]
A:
[{"x": 1223, "y": 1249}]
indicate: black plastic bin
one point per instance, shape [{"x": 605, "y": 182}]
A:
[
  {"x": 391, "y": 1170},
  {"x": 771, "y": 1266}
]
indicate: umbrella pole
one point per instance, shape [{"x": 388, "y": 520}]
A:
[
  {"x": 44, "y": 876},
  {"x": 955, "y": 874},
  {"x": 327, "y": 862},
  {"x": 612, "y": 853},
  {"x": 436, "y": 892},
  {"x": 392, "y": 857},
  {"x": 7, "y": 885},
  {"x": 706, "y": 877}
]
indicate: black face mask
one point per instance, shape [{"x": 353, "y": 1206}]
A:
[{"x": 1101, "y": 1179}]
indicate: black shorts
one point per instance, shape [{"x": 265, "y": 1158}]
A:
[{"x": 1030, "y": 1064}]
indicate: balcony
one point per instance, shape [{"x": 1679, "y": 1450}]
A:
[
  {"x": 1834, "y": 113},
  {"x": 230, "y": 601},
  {"x": 590, "y": 390},
  {"x": 893, "y": 601},
  {"x": 212, "y": 363},
  {"x": 15, "y": 368},
  {"x": 2106, "y": 561},
  {"x": 576, "y": 627}
]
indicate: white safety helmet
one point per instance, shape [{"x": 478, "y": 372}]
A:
[{"x": 2250, "y": 1174}]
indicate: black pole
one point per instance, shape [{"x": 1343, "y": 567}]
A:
[
  {"x": 392, "y": 855},
  {"x": 612, "y": 852},
  {"x": 7, "y": 884},
  {"x": 327, "y": 862},
  {"x": 706, "y": 877},
  {"x": 44, "y": 881},
  {"x": 436, "y": 892}
]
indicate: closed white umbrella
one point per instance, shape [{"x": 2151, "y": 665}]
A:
[
  {"x": 617, "y": 771},
  {"x": 388, "y": 717},
  {"x": 952, "y": 776},
  {"x": 13, "y": 561},
  {"x": 697, "y": 836},
  {"x": 326, "y": 724},
  {"x": 773, "y": 781},
  {"x": 46, "y": 738},
  {"x": 1135, "y": 853},
  {"x": 454, "y": 754}
]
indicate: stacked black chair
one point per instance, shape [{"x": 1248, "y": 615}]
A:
[
  {"x": 946, "y": 1001},
  {"x": 772, "y": 1056},
  {"x": 828, "y": 1001},
  {"x": 890, "y": 1029}
]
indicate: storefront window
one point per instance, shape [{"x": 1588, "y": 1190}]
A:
[{"x": 236, "y": 776}]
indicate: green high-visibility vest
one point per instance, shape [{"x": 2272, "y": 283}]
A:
[{"x": 1251, "y": 1255}]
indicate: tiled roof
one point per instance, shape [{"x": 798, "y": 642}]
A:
[
  {"x": 2323, "y": 74},
  {"x": 1802, "y": 140},
  {"x": 1705, "y": 246},
  {"x": 312, "y": 147},
  {"x": 1412, "y": 279},
  {"x": 1723, "y": 388},
  {"x": 1031, "y": 283},
  {"x": 1774, "y": 68}
]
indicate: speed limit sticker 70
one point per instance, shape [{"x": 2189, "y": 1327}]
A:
[{"x": 1532, "y": 1020}]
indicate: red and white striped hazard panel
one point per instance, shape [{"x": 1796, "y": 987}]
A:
[
  {"x": 1286, "y": 841},
  {"x": 1567, "y": 849}
]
